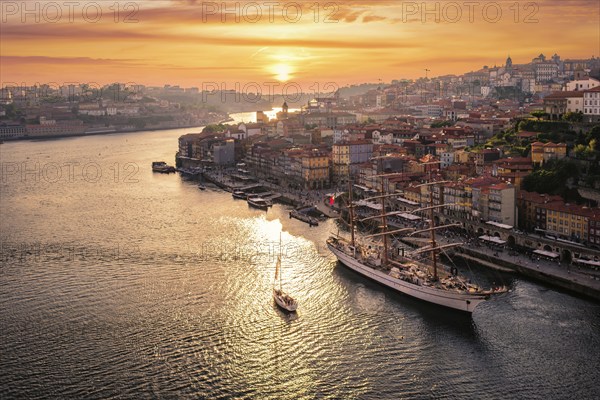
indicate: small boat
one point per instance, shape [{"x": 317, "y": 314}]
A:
[
  {"x": 283, "y": 300},
  {"x": 162, "y": 167},
  {"x": 258, "y": 202},
  {"x": 239, "y": 194},
  {"x": 201, "y": 187},
  {"x": 304, "y": 218}
]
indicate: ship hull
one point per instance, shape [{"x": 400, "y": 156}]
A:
[{"x": 454, "y": 300}]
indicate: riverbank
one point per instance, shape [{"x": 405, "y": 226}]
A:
[
  {"x": 578, "y": 280},
  {"x": 108, "y": 132},
  {"x": 291, "y": 197},
  {"x": 582, "y": 281}
]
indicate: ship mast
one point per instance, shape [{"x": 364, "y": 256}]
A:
[
  {"x": 279, "y": 261},
  {"x": 430, "y": 185},
  {"x": 384, "y": 224},
  {"x": 431, "y": 225},
  {"x": 351, "y": 210}
]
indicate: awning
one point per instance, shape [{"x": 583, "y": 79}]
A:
[
  {"x": 409, "y": 202},
  {"x": 410, "y": 217},
  {"x": 499, "y": 225},
  {"x": 545, "y": 253},
  {"x": 493, "y": 239},
  {"x": 363, "y": 203},
  {"x": 587, "y": 262}
]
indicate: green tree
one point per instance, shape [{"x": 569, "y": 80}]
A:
[
  {"x": 573, "y": 116},
  {"x": 539, "y": 114},
  {"x": 442, "y": 124},
  {"x": 593, "y": 134}
]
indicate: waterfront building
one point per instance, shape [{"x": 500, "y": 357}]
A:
[
  {"x": 224, "y": 152},
  {"x": 569, "y": 221},
  {"x": 315, "y": 169},
  {"x": 11, "y": 131},
  {"x": 531, "y": 209},
  {"x": 346, "y": 157}
]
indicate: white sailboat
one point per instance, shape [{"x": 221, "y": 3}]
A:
[
  {"x": 283, "y": 300},
  {"x": 422, "y": 280}
]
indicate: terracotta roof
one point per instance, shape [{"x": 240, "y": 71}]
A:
[
  {"x": 564, "y": 94},
  {"x": 550, "y": 144},
  {"x": 501, "y": 186},
  {"x": 573, "y": 209},
  {"x": 527, "y": 134},
  {"x": 538, "y": 198}
]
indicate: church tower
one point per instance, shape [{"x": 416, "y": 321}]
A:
[{"x": 284, "y": 109}]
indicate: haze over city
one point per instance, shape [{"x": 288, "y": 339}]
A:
[{"x": 188, "y": 42}]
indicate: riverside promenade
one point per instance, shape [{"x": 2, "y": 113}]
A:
[
  {"x": 293, "y": 197},
  {"x": 581, "y": 280}
]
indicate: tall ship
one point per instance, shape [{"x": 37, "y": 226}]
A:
[{"x": 422, "y": 278}]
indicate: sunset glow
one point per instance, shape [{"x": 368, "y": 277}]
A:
[{"x": 191, "y": 42}]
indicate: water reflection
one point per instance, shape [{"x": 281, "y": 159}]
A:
[{"x": 117, "y": 288}]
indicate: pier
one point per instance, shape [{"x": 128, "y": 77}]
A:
[{"x": 581, "y": 280}]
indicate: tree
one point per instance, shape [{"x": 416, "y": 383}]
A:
[
  {"x": 552, "y": 177},
  {"x": 539, "y": 114},
  {"x": 441, "y": 124},
  {"x": 593, "y": 134},
  {"x": 573, "y": 116}
]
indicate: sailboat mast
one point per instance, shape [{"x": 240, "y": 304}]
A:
[
  {"x": 431, "y": 225},
  {"x": 279, "y": 261},
  {"x": 351, "y": 209},
  {"x": 384, "y": 224}
]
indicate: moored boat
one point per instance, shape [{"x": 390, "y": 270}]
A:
[
  {"x": 162, "y": 167},
  {"x": 258, "y": 202},
  {"x": 239, "y": 194}
]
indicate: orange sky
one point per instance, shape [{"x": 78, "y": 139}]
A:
[{"x": 194, "y": 43}]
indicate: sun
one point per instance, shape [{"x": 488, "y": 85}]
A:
[{"x": 282, "y": 72}]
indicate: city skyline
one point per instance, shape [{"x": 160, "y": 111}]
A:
[{"x": 191, "y": 43}]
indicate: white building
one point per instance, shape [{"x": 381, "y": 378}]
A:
[
  {"x": 591, "y": 105},
  {"x": 251, "y": 129},
  {"x": 582, "y": 85},
  {"x": 382, "y": 137}
]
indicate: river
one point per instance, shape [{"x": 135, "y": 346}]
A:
[{"x": 116, "y": 282}]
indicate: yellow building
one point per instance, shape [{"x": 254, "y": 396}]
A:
[
  {"x": 347, "y": 156},
  {"x": 542, "y": 152},
  {"x": 315, "y": 169},
  {"x": 568, "y": 221}
]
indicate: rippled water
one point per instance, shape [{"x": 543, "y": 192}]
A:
[{"x": 118, "y": 283}]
